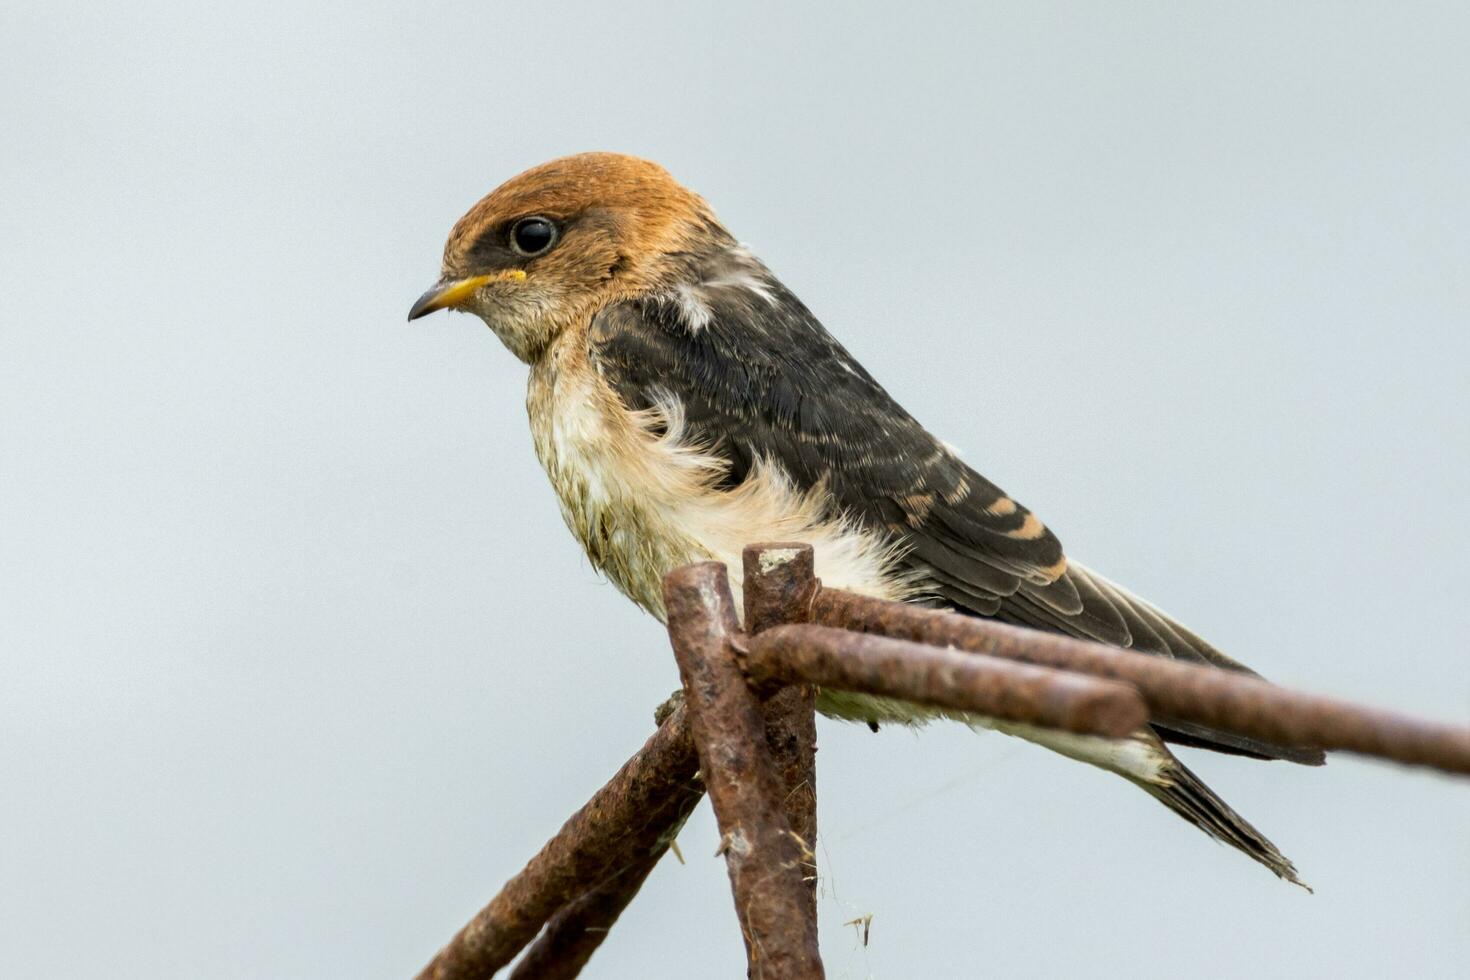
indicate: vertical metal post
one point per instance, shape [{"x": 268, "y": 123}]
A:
[
  {"x": 780, "y": 586},
  {"x": 728, "y": 726}
]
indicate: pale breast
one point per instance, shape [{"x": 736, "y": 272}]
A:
[{"x": 643, "y": 501}]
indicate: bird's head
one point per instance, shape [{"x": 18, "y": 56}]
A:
[{"x": 550, "y": 247}]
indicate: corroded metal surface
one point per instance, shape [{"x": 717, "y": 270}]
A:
[
  {"x": 758, "y": 759},
  {"x": 574, "y": 933},
  {"x": 779, "y": 588},
  {"x": 618, "y": 829},
  {"x": 728, "y": 727},
  {"x": 780, "y": 585},
  {"x": 1204, "y": 695},
  {"x": 947, "y": 679}
]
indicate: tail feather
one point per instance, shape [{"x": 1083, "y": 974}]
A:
[
  {"x": 1187, "y": 795},
  {"x": 1142, "y": 758}
]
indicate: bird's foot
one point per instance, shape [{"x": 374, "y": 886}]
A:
[{"x": 662, "y": 712}]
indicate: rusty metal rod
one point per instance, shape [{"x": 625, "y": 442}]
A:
[
  {"x": 728, "y": 727},
  {"x": 779, "y": 583},
  {"x": 625, "y": 821},
  {"x": 575, "y": 933},
  {"x": 1205, "y": 695},
  {"x": 942, "y": 678}
]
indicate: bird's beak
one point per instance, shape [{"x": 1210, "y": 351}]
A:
[{"x": 447, "y": 294}]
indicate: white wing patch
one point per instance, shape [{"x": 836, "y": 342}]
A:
[
  {"x": 693, "y": 309},
  {"x": 738, "y": 269}
]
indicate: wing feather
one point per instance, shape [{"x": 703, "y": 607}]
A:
[{"x": 758, "y": 378}]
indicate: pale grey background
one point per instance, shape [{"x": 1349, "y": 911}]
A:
[{"x": 300, "y": 664}]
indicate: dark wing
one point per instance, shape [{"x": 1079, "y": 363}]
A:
[{"x": 757, "y": 376}]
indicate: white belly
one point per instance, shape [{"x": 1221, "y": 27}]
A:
[{"x": 643, "y": 504}]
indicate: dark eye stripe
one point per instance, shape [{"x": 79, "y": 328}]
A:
[{"x": 533, "y": 236}]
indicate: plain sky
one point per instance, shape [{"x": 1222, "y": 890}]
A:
[{"x": 299, "y": 662}]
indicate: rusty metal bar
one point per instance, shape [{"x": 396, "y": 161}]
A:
[
  {"x": 763, "y": 789},
  {"x": 624, "y": 823},
  {"x": 990, "y": 686},
  {"x": 779, "y": 585},
  {"x": 1204, "y": 695},
  {"x": 575, "y": 933},
  {"x": 728, "y": 727}
]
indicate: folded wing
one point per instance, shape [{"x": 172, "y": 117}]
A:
[{"x": 756, "y": 376}]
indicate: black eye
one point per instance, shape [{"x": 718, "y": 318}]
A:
[{"x": 532, "y": 236}]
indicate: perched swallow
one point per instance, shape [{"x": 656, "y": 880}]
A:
[{"x": 685, "y": 403}]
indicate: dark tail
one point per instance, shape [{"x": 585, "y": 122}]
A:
[{"x": 1189, "y": 797}]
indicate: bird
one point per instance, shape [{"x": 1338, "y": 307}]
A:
[{"x": 684, "y": 402}]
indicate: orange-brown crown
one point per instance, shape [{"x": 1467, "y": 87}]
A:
[{"x": 649, "y": 210}]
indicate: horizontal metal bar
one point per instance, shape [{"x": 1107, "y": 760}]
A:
[
  {"x": 1232, "y": 702},
  {"x": 943, "y": 678}
]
